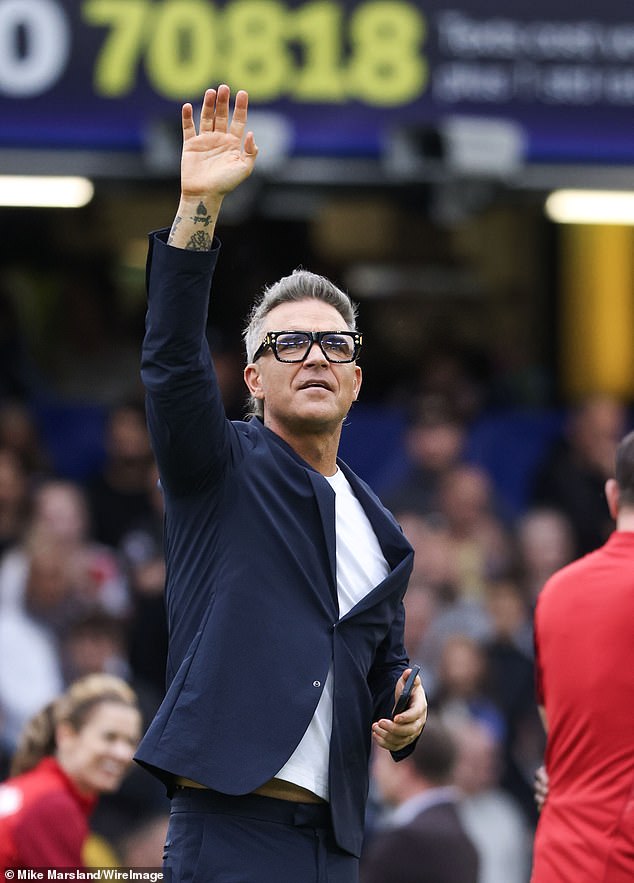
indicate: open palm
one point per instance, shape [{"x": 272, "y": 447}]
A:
[{"x": 215, "y": 159}]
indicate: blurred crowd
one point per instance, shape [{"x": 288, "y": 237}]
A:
[
  {"x": 82, "y": 575},
  {"x": 81, "y": 591}
]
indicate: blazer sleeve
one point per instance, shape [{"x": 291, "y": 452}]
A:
[
  {"x": 190, "y": 433},
  {"x": 389, "y": 664}
]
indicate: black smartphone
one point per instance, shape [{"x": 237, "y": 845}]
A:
[{"x": 403, "y": 699}]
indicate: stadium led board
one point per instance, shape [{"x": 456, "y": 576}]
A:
[{"x": 99, "y": 74}]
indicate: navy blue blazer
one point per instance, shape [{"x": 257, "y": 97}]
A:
[{"x": 251, "y": 586}]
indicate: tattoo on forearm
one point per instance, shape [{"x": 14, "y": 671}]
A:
[
  {"x": 177, "y": 221},
  {"x": 199, "y": 241},
  {"x": 202, "y": 215}
]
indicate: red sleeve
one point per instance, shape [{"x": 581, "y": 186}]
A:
[{"x": 51, "y": 833}]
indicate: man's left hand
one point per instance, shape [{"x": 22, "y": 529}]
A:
[{"x": 396, "y": 734}]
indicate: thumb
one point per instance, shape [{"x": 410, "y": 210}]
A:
[{"x": 250, "y": 147}]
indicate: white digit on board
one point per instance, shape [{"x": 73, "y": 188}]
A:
[{"x": 34, "y": 46}]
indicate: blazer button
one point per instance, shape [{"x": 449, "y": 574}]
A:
[{"x": 316, "y": 683}]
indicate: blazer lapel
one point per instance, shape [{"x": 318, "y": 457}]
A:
[
  {"x": 398, "y": 552},
  {"x": 325, "y": 497},
  {"x": 390, "y": 536}
]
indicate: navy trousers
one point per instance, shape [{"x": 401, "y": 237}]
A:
[{"x": 218, "y": 838}]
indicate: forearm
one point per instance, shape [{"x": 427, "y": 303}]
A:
[
  {"x": 195, "y": 222},
  {"x": 184, "y": 404}
]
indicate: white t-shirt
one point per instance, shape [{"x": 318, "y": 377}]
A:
[{"x": 361, "y": 566}]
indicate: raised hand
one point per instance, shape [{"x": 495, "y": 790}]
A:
[{"x": 214, "y": 161}]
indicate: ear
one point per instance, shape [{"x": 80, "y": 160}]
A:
[
  {"x": 612, "y": 496},
  {"x": 358, "y": 378},
  {"x": 253, "y": 380},
  {"x": 64, "y": 736}
]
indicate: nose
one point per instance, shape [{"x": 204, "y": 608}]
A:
[
  {"x": 315, "y": 355},
  {"x": 123, "y": 751}
]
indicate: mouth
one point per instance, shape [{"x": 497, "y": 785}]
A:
[
  {"x": 113, "y": 770},
  {"x": 315, "y": 384}
]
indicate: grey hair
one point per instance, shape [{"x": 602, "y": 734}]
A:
[{"x": 300, "y": 285}]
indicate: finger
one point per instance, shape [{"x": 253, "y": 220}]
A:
[
  {"x": 383, "y": 741},
  {"x": 250, "y": 147},
  {"x": 250, "y": 152},
  {"x": 239, "y": 118},
  {"x": 221, "y": 120},
  {"x": 380, "y": 731},
  {"x": 389, "y": 744},
  {"x": 187, "y": 119},
  {"x": 417, "y": 707},
  {"x": 208, "y": 111}
]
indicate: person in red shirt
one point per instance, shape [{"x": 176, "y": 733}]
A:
[
  {"x": 78, "y": 747},
  {"x": 584, "y": 638}
]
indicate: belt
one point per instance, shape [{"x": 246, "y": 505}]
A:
[
  {"x": 276, "y": 788},
  {"x": 252, "y": 806}
]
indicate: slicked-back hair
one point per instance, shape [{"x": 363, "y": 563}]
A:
[
  {"x": 300, "y": 285},
  {"x": 624, "y": 472}
]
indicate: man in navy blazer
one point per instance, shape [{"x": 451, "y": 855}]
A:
[{"x": 285, "y": 574}]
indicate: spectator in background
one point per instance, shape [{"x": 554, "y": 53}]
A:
[
  {"x": 423, "y": 840},
  {"x": 119, "y": 495},
  {"x": 458, "y": 372},
  {"x": 435, "y": 563},
  {"x": 60, "y": 516},
  {"x": 96, "y": 644},
  {"x": 435, "y": 595},
  {"x": 491, "y": 818},
  {"x": 545, "y": 543},
  {"x": 482, "y": 546},
  {"x": 60, "y": 510},
  {"x": 434, "y": 441},
  {"x": 464, "y": 685},
  {"x": 30, "y": 666},
  {"x": 584, "y": 641},
  {"x": 19, "y": 433},
  {"x": 420, "y": 610},
  {"x": 78, "y": 747},
  {"x": 147, "y": 631},
  {"x": 141, "y": 550},
  {"x": 572, "y": 477},
  {"x": 13, "y": 502},
  {"x": 509, "y": 652}
]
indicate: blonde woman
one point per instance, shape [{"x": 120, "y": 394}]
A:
[{"x": 78, "y": 747}]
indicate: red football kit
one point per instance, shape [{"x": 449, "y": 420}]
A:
[
  {"x": 43, "y": 819},
  {"x": 584, "y": 639}
]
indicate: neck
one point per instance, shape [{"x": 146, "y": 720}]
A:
[
  {"x": 317, "y": 447},
  {"x": 625, "y": 520},
  {"x": 413, "y": 788}
]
